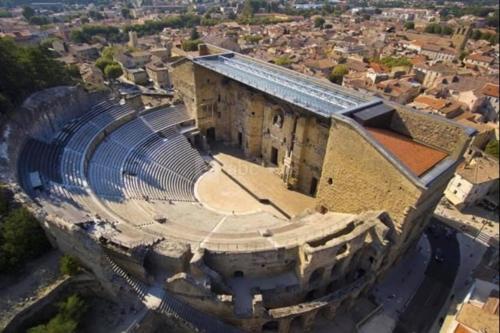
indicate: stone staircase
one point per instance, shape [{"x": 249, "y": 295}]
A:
[
  {"x": 171, "y": 306},
  {"x": 202, "y": 322},
  {"x": 139, "y": 287}
]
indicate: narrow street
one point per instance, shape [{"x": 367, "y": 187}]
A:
[{"x": 440, "y": 275}]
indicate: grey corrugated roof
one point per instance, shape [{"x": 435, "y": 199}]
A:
[{"x": 311, "y": 94}]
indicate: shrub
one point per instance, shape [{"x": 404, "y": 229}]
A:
[
  {"x": 66, "y": 321},
  {"x": 337, "y": 74},
  {"x": 409, "y": 25},
  {"x": 4, "y": 202},
  {"x": 283, "y": 61},
  {"x": 68, "y": 265},
  {"x": 113, "y": 71},
  {"x": 492, "y": 148},
  {"x": 190, "y": 45},
  {"x": 102, "y": 63},
  {"x": 21, "y": 238},
  {"x": 319, "y": 22}
]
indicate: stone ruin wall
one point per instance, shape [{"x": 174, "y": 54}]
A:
[
  {"x": 431, "y": 130},
  {"x": 351, "y": 166},
  {"x": 41, "y": 116},
  {"x": 323, "y": 267},
  {"x": 232, "y": 108}
]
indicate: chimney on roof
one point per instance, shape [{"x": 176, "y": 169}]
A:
[{"x": 203, "y": 50}]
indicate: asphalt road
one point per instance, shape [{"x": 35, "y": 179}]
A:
[{"x": 432, "y": 294}]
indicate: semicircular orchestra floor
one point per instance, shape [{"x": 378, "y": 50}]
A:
[{"x": 139, "y": 171}]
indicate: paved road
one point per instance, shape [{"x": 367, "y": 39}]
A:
[{"x": 439, "y": 277}]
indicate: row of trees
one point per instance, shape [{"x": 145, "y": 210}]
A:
[
  {"x": 488, "y": 12},
  {"x": 26, "y": 70},
  {"x": 70, "y": 313},
  {"x": 439, "y": 29},
  {"x": 393, "y": 61},
  {"x": 478, "y": 34},
  {"x": 87, "y": 32}
]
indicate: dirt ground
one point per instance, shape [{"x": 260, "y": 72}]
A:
[
  {"x": 220, "y": 193},
  {"x": 20, "y": 289}
]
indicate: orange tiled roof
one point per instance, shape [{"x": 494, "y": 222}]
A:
[
  {"x": 378, "y": 68},
  {"x": 480, "y": 58},
  {"x": 461, "y": 329},
  {"x": 491, "y": 89},
  {"x": 434, "y": 103},
  {"x": 415, "y": 156}
]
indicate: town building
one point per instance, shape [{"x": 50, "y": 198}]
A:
[{"x": 475, "y": 180}]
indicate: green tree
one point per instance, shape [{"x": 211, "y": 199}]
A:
[
  {"x": 74, "y": 307},
  {"x": 22, "y": 238},
  {"x": 103, "y": 62},
  {"x": 395, "y": 61},
  {"x": 28, "y": 12},
  {"x": 190, "y": 45},
  {"x": 409, "y": 25},
  {"x": 39, "y": 20},
  {"x": 194, "y": 34},
  {"x": 476, "y": 34},
  {"x": 284, "y": 60},
  {"x": 74, "y": 71},
  {"x": 4, "y": 202},
  {"x": 5, "y": 13},
  {"x": 66, "y": 321},
  {"x": 108, "y": 52},
  {"x": 493, "y": 39},
  {"x": 319, "y": 22},
  {"x": 126, "y": 13},
  {"x": 248, "y": 9},
  {"x": 338, "y": 73},
  {"x": 95, "y": 15},
  {"x": 26, "y": 70},
  {"x": 113, "y": 71},
  {"x": 68, "y": 265},
  {"x": 492, "y": 148}
]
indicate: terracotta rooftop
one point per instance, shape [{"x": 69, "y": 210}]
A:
[
  {"x": 490, "y": 89},
  {"x": 480, "y": 58},
  {"x": 462, "y": 329},
  {"x": 378, "y": 68},
  {"x": 415, "y": 156},
  {"x": 436, "y": 104}
]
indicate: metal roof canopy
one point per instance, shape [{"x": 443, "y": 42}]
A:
[{"x": 309, "y": 93}]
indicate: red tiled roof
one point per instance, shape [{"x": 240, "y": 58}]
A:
[
  {"x": 461, "y": 329},
  {"x": 415, "y": 156},
  {"x": 480, "y": 58},
  {"x": 435, "y": 103},
  {"x": 378, "y": 68},
  {"x": 490, "y": 89}
]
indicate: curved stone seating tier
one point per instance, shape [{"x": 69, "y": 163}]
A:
[
  {"x": 145, "y": 157},
  {"x": 65, "y": 134},
  {"x": 42, "y": 157},
  {"x": 163, "y": 168},
  {"x": 160, "y": 119},
  {"x": 125, "y": 164}
]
